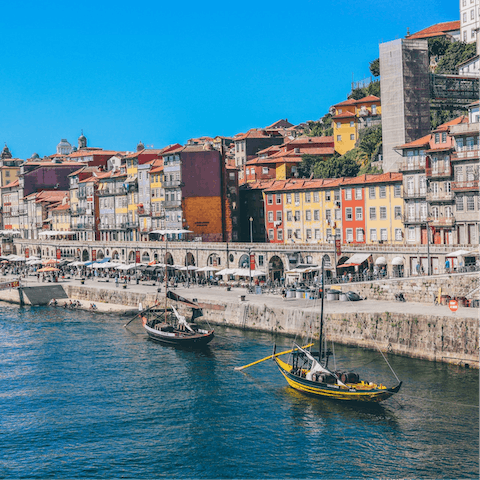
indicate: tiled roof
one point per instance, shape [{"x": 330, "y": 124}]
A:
[
  {"x": 11, "y": 184},
  {"x": 456, "y": 121},
  {"x": 420, "y": 142},
  {"x": 87, "y": 153},
  {"x": 282, "y": 123},
  {"x": 436, "y": 30},
  {"x": 344, "y": 115},
  {"x": 346, "y": 103},
  {"x": 254, "y": 133},
  {"x": 65, "y": 206},
  {"x": 369, "y": 98}
]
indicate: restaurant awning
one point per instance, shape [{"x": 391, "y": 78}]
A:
[
  {"x": 355, "y": 260},
  {"x": 380, "y": 261},
  {"x": 458, "y": 253},
  {"x": 398, "y": 261}
]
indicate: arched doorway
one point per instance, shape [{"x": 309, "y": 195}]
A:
[
  {"x": 168, "y": 258},
  {"x": 243, "y": 262},
  {"x": 100, "y": 255},
  {"x": 131, "y": 257},
  {"x": 214, "y": 260},
  {"x": 115, "y": 255},
  {"x": 85, "y": 256},
  {"x": 145, "y": 257},
  {"x": 275, "y": 266},
  {"x": 189, "y": 259}
]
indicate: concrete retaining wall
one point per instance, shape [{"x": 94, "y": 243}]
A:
[{"x": 445, "y": 339}]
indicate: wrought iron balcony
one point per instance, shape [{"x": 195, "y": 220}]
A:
[
  {"x": 411, "y": 164},
  {"x": 415, "y": 193},
  {"x": 441, "y": 221},
  {"x": 111, "y": 191},
  {"x": 440, "y": 196},
  {"x": 417, "y": 218},
  {"x": 466, "y": 153},
  {"x": 439, "y": 172},
  {"x": 172, "y": 203}
]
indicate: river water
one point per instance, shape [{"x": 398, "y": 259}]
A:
[{"x": 83, "y": 397}]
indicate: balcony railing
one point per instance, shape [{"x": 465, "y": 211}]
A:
[
  {"x": 466, "y": 153},
  {"x": 440, "y": 196},
  {"x": 415, "y": 193},
  {"x": 464, "y": 128},
  {"x": 172, "y": 203},
  {"x": 160, "y": 214},
  {"x": 438, "y": 172},
  {"x": 78, "y": 211},
  {"x": 465, "y": 186},
  {"x": 413, "y": 163},
  {"x": 414, "y": 219},
  {"x": 111, "y": 191},
  {"x": 131, "y": 224},
  {"x": 172, "y": 183},
  {"x": 441, "y": 221}
]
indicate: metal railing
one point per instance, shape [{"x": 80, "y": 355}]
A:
[
  {"x": 417, "y": 218},
  {"x": 440, "y": 196},
  {"x": 441, "y": 221},
  {"x": 415, "y": 193},
  {"x": 412, "y": 164},
  {"x": 438, "y": 172},
  {"x": 465, "y": 186}
]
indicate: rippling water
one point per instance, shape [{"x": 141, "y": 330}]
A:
[{"x": 81, "y": 396}]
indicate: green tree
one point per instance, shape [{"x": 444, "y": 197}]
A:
[
  {"x": 306, "y": 166},
  {"x": 456, "y": 53},
  {"x": 320, "y": 128},
  {"x": 370, "y": 142},
  {"x": 375, "y": 67},
  {"x": 336, "y": 167},
  {"x": 437, "y": 46}
]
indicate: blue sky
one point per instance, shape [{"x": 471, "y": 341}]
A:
[{"x": 166, "y": 72}]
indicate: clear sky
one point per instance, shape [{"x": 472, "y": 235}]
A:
[{"x": 166, "y": 72}]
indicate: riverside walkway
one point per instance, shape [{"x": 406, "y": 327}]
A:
[{"x": 219, "y": 294}]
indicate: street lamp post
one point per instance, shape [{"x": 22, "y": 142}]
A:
[{"x": 251, "y": 229}]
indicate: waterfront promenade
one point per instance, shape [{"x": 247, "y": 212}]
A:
[{"x": 220, "y": 294}]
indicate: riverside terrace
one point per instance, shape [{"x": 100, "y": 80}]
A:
[{"x": 273, "y": 259}]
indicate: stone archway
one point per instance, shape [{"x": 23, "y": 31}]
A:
[
  {"x": 131, "y": 257},
  {"x": 214, "y": 260},
  {"x": 145, "y": 257},
  {"x": 115, "y": 255},
  {"x": 189, "y": 259},
  {"x": 168, "y": 259},
  {"x": 276, "y": 268},
  {"x": 85, "y": 256},
  {"x": 342, "y": 260},
  {"x": 100, "y": 255},
  {"x": 244, "y": 261}
]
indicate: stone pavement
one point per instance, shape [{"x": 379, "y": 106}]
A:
[{"x": 220, "y": 294}]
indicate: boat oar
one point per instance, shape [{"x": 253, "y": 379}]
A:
[{"x": 270, "y": 356}]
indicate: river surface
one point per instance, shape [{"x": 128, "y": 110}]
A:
[{"x": 83, "y": 397}]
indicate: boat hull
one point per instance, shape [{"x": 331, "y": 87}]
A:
[
  {"x": 185, "y": 339},
  {"x": 356, "y": 393}
]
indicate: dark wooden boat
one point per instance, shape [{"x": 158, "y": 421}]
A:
[
  {"x": 167, "y": 326},
  {"x": 308, "y": 373}
]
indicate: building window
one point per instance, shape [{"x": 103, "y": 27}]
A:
[
  {"x": 373, "y": 234},
  {"x": 316, "y": 197},
  {"x": 339, "y": 124},
  {"x": 470, "y": 203},
  {"x": 373, "y": 213},
  {"x": 358, "y": 213},
  {"x": 328, "y": 196},
  {"x": 348, "y": 214},
  {"x": 279, "y": 216},
  {"x": 298, "y": 235},
  {"x": 398, "y": 234},
  {"x": 472, "y": 15},
  {"x": 383, "y": 191},
  {"x": 279, "y": 234},
  {"x": 289, "y": 234},
  {"x": 271, "y": 234},
  {"x": 348, "y": 194},
  {"x": 374, "y": 109},
  {"x": 358, "y": 193},
  {"x": 289, "y": 198},
  {"x": 383, "y": 234},
  {"x": 278, "y": 198},
  {"x": 411, "y": 233},
  {"x": 261, "y": 260},
  {"x": 316, "y": 215},
  {"x": 328, "y": 215},
  {"x": 339, "y": 138},
  {"x": 338, "y": 214},
  {"x": 265, "y": 170},
  {"x": 270, "y": 199},
  {"x": 307, "y": 197},
  {"x": 270, "y": 216},
  {"x": 308, "y": 215},
  {"x": 349, "y": 233},
  {"x": 371, "y": 192},
  {"x": 352, "y": 136},
  {"x": 398, "y": 213},
  {"x": 297, "y": 199},
  {"x": 317, "y": 234},
  {"x": 397, "y": 191},
  {"x": 444, "y": 137},
  {"x": 309, "y": 234},
  {"x": 359, "y": 234},
  {"x": 383, "y": 213},
  {"x": 289, "y": 215},
  {"x": 297, "y": 215},
  {"x": 459, "y": 203}
]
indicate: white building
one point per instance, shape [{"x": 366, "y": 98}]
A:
[{"x": 469, "y": 20}]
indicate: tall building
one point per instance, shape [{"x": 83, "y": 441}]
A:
[{"x": 469, "y": 21}]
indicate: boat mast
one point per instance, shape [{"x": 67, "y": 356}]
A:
[{"x": 321, "y": 315}]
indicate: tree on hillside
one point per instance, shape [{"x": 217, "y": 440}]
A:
[
  {"x": 370, "y": 142},
  {"x": 321, "y": 128},
  {"x": 456, "y": 53},
  {"x": 437, "y": 46},
  {"x": 306, "y": 166},
  {"x": 375, "y": 67},
  {"x": 336, "y": 167}
]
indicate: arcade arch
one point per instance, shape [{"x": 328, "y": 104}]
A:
[{"x": 275, "y": 267}]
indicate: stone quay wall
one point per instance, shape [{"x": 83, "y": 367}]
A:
[
  {"x": 417, "y": 289},
  {"x": 434, "y": 338}
]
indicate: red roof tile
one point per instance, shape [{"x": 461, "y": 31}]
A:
[
  {"x": 421, "y": 142},
  {"x": 346, "y": 103},
  {"x": 344, "y": 115},
  {"x": 437, "y": 30}
]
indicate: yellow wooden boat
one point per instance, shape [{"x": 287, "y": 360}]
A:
[{"x": 312, "y": 376}]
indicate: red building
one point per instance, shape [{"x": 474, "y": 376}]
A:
[
  {"x": 274, "y": 214},
  {"x": 353, "y": 211}
]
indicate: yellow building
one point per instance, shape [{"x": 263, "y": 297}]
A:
[
  {"x": 351, "y": 116},
  {"x": 61, "y": 217},
  {"x": 384, "y": 208}
]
